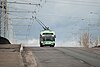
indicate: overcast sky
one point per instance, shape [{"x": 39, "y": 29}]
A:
[{"x": 68, "y": 18}]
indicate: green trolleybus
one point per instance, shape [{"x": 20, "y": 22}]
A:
[{"x": 47, "y": 38}]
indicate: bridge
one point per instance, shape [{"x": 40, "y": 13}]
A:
[
  {"x": 14, "y": 20},
  {"x": 76, "y": 23}
]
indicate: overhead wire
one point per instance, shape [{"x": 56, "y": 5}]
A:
[
  {"x": 82, "y": 1},
  {"x": 38, "y": 22},
  {"x": 23, "y": 3},
  {"x": 21, "y": 18},
  {"x": 41, "y": 23},
  {"x": 75, "y": 3},
  {"x": 23, "y": 11},
  {"x": 18, "y": 11}
]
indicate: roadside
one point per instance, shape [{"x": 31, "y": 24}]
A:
[
  {"x": 28, "y": 58},
  {"x": 95, "y": 50},
  {"x": 14, "y": 55},
  {"x": 10, "y": 55}
]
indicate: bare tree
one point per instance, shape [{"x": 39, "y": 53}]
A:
[
  {"x": 97, "y": 42},
  {"x": 85, "y": 40}
]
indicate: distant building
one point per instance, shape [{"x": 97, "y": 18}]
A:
[{"x": 3, "y": 18}]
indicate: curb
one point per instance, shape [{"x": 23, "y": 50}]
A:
[{"x": 29, "y": 59}]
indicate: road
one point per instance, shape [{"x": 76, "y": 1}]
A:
[{"x": 65, "y": 57}]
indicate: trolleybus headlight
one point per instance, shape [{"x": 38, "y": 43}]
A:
[{"x": 41, "y": 42}]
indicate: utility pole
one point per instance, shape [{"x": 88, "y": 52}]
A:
[
  {"x": 3, "y": 18},
  {"x": 0, "y": 15}
]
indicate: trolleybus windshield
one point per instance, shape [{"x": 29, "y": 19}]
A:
[
  {"x": 48, "y": 38},
  {"x": 47, "y": 33}
]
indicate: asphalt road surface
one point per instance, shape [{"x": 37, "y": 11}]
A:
[{"x": 65, "y": 57}]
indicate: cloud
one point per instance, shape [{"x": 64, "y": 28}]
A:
[{"x": 31, "y": 42}]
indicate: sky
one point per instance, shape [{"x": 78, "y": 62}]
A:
[{"x": 68, "y": 18}]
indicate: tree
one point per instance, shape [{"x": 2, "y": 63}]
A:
[{"x": 85, "y": 40}]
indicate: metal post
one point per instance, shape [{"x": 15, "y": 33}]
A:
[{"x": 3, "y": 18}]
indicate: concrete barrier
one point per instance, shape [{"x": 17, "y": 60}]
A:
[
  {"x": 9, "y": 47},
  {"x": 10, "y": 55},
  {"x": 29, "y": 58}
]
